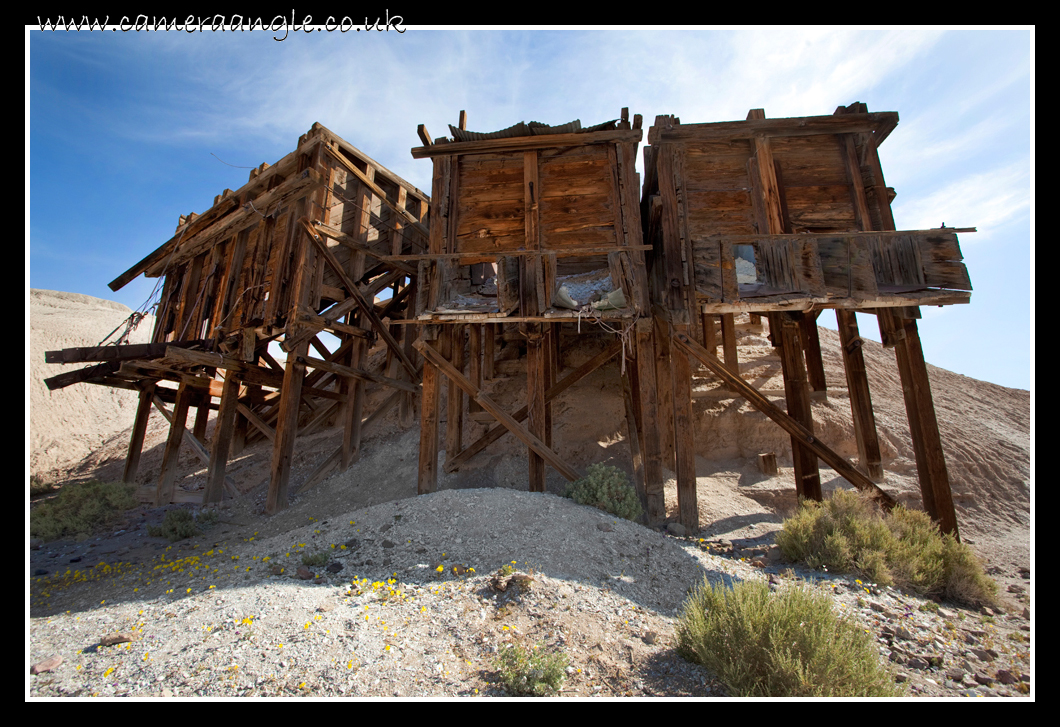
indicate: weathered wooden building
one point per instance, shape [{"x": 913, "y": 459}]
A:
[
  {"x": 303, "y": 247},
  {"x": 530, "y": 230},
  {"x": 784, "y": 218}
]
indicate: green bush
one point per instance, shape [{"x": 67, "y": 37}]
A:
[
  {"x": 530, "y": 672},
  {"x": 785, "y": 644},
  {"x": 37, "y": 486},
  {"x": 81, "y": 509},
  {"x": 904, "y": 548},
  {"x": 177, "y": 525},
  {"x": 607, "y": 488},
  {"x": 316, "y": 560}
]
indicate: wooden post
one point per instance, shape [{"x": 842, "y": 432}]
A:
[
  {"x": 710, "y": 336},
  {"x": 728, "y": 342},
  {"x": 649, "y": 417},
  {"x": 796, "y": 391},
  {"x": 923, "y": 426},
  {"x": 136, "y": 441},
  {"x": 202, "y": 415},
  {"x": 222, "y": 436},
  {"x": 536, "y": 385},
  {"x": 684, "y": 437},
  {"x": 868, "y": 441},
  {"x": 454, "y": 428},
  {"x": 488, "y": 370},
  {"x": 167, "y": 478},
  {"x": 474, "y": 353},
  {"x": 664, "y": 382},
  {"x": 430, "y": 410},
  {"x": 811, "y": 344}
]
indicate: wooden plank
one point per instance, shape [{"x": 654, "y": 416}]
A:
[
  {"x": 136, "y": 440},
  {"x": 793, "y": 427},
  {"x": 430, "y": 409},
  {"x": 753, "y": 128},
  {"x": 728, "y": 342},
  {"x": 536, "y": 384},
  {"x": 215, "y": 473},
  {"x": 811, "y": 346},
  {"x": 257, "y": 421},
  {"x": 454, "y": 425},
  {"x": 357, "y": 373},
  {"x": 522, "y": 143},
  {"x": 434, "y": 357},
  {"x": 664, "y": 381}
]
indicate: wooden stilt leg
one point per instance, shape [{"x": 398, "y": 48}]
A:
[
  {"x": 684, "y": 439},
  {"x": 710, "y": 337},
  {"x": 728, "y": 342},
  {"x": 202, "y": 415},
  {"x": 286, "y": 429},
  {"x": 868, "y": 441},
  {"x": 536, "y": 385},
  {"x": 430, "y": 410},
  {"x": 807, "y": 473},
  {"x": 454, "y": 430},
  {"x": 652, "y": 446},
  {"x": 811, "y": 344},
  {"x": 634, "y": 429},
  {"x": 923, "y": 426},
  {"x": 474, "y": 358},
  {"x": 168, "y": 477},
  {"x": 136, "y": 441},
  {"x": 222, "y": 436},
  {"x": 664, "y": 382}
]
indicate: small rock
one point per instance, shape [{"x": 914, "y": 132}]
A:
[
  {"x": 1006, "y": 677},
  {"x": 118, "y": 638},
  {"x": 946, "y": 613},
  {"x": 902, "y": 632},
  {"x": 1026, "y": 613},
  {"x": 334, "y": 567},
  {"x": 523, "y": 581},
  {"x": 1016, "y": 588},
  {"x": 389, "y": 544},
  {"x": 987, "y": 611},
  {"x": 46, "y": 665},
  {"x": 352, "y": 544},
  {"x": 40, "y": 572},
  {"x": 984, "y": 679},
  {"x": 276, "y": 570},
  {"x": 955, "y": 674},
  {"x": 915, "y": 662},
  {"x": 676, "y": 529},
  {"x": 900, "y": 677},
  {"x": 606, "y": 527},
  {"x": 650, "y": 638},
  {"x": 304, "y": 573},
  {"x": 318, "y": 580},
  {"x": 76, "y": 560}
]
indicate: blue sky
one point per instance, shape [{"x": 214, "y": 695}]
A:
[{"x": 125, "y": 131}]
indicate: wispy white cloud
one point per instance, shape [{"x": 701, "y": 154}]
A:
[{"x": 986, "y": 200}]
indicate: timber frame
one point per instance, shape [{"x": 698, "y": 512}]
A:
[
  {"x": 779, "y": 218},
  {"x": 301, "y": 248}
]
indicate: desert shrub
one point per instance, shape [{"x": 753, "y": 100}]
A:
[
  {"x": 903, "y": 548},
  {"x": 176, "y": 525},
  {"x": 531, "y": 672},
  {"x": 315, "y": 560},
  {"x": 785, "y": 644},
  {"x": 81, "y": 509},
  {"x": 606, "y": 487},
  {"x": 38, "y": 486},
  {"x": 207, "y": 518}
]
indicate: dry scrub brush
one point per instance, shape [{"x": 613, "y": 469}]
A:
[
  {"x": 785, "y": 644},
  {"x": 903, "y": 548}
]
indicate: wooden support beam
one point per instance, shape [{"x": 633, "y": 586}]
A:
[
  {"x": 664, "y": 382},
  {"x": 684, "y": 436},
  {"x": 536, "y": 383},
  {"x": 789, "y": 424},
  {"x": 474, "y": 353},
  {"x": 923, "y": 426},
  {"x": 167, "y": 478},
  {"x": 257, "y": 421},
  {"x": 454, "y": 463},
  {"x": 136, "y": 441},
  {"x": 634, "y": 432},
  {"x": 431, "y": 354},
  {"x": 796, "y": 391},
  {"x": 710, "y": 336},
  {"x": 728, "y": 342},
  {"x": 222, "y": 438},
  {"x": 651, "y": 445},
  {"x": 430, "y": 410},
  {"x": 367, "y": 308},
  {"x": 811, "y": 345},
  {"x": 454, "y": 423},
  {"x": 869, "y": 458}
]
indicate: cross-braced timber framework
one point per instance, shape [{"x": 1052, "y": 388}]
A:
[{"x": 779, "y": 218}]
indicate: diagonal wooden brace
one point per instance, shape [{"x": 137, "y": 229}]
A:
[
  {"x": 367, "y": 308},
  {"x": 452, "y": 464},
  {"x": 438, "y": 361},
  {"x": 794, "y": 428}
]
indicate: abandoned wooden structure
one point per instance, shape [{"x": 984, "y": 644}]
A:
[
  {"x": 784, "y": 218},
  {"x": 552, "y": 215},
  {"x": 303, "y": 247},
  {"x": 531, "y": 230}
]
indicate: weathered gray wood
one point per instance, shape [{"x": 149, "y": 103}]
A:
[{"x": 865, "y": 433}]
